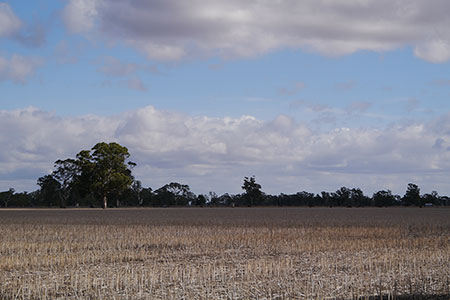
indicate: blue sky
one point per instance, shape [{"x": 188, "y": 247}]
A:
[{"x": 308, "y": 95}]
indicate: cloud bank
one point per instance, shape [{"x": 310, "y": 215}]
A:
[
  {"x": 214, "y": 154},
  {"x": 173, "y": 29}
]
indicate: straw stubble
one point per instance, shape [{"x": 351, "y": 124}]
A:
[{"x": 240, "y": 253}]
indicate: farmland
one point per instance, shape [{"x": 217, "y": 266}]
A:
[{"x": 225, "y": 253}]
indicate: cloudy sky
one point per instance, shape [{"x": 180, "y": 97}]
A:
[{"x": 305, "y": 95}]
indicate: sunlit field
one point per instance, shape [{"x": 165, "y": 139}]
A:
[{"x": 225, "y": 253}]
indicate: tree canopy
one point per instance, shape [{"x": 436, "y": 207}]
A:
[
  {"x": 101, "y": 172},
  {"x": 6, "y": 196},
  {"x": 253, "y": 194},
  {"x": 110, "y": 173}
]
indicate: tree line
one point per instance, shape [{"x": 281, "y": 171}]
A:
[{"x": 102, "y": 177}]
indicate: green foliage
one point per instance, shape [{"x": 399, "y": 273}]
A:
[
  {"x": 201, "y": 200},
  {"x": 50, "y": 189},
  {"x": 102, "y": 172},
  {"x": 110, "y": 174},
  {"x": 23, "y": 199},
  {"x": 174, "y": 194},
  {"x": 432, "y": 198},
  {"x": 253, "y": 194},
  {"x": 412, "y": 195},
  {"x": 383, "y": 198},
  {"x": 5, "y": 197},
  {"x": 65, "y": 173}
]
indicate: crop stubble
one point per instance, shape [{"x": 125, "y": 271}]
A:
[{"x": 224, "y": 253}]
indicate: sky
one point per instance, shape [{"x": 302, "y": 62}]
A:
[{"x": 304, "y": 95}]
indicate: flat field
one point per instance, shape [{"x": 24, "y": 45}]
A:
[{"x": 225, "y": 253}]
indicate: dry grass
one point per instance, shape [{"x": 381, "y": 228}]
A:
[{"x": 240, "y": 253}]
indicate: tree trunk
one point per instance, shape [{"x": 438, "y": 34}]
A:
[
  {"x": 105, "y": 202},
  {"x": 63, "y": 199},
  {"x": 7, "y": 200}
]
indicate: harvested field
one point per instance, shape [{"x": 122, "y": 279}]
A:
[{"x": 225, "y": 253}]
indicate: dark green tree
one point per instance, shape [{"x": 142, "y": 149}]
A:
[
  {"x": 147, "y": 197},
  {"x": 201, "y": 200},
  {"x": 412, "y": 195},
  {"x": 432, "y": 198},
  {"x": 109, "y": 170},
  {"x": 85, "y": 176},
  {"x": 383, "y": 198},
  {"x": 6, "y": 196},
  {"x": 66, "y": 172},
  {"x": 182, "y": 194},
  {"x": 342, "y": 197},
  {"x": 326, "y": 198},
  {"x": 213, "y": 199},
  {"x": 226, "y": 200},
  {"x": 136, "y": 189},
  {"x": 176, "y": 194},
  {"x": 304, "y": 198},
  {"x": 23, "y": 199},
  {"x": 50, "y": 188},
  {"x": 357, "y": 198},
  {"x": 253, "y": 194},
  {"x": 102, "y": 172}
]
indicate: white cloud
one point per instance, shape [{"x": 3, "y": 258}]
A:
[
  {"x": 216, "y": 153},
  {"x": 174, "y": 29},
  {"x": 9, "y": 22},
  {"x": 18, "y": 68},
  {"x": 436, "y": 51},
  {"x": 159, "y": 51},
  {"x": 79, "y": 15}
]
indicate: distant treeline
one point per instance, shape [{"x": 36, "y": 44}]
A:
[
  {"x": 175, "y": 194},
  {"x": 102, "y": 177}
]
